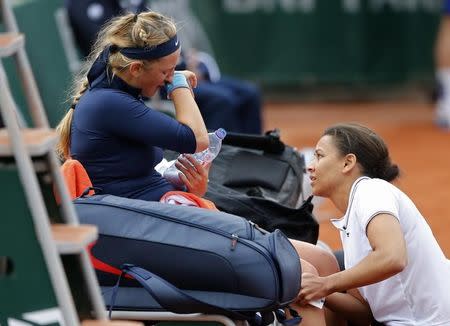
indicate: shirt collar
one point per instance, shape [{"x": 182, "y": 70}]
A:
[
  {"x": 341, "y": 223},
  {"x": 117, "y": 83},
  {"x": 120, "y": 84}
]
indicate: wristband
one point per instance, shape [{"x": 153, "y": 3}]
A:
[{"x": 178, "y": 81}]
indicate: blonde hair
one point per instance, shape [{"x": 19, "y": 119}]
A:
[{"x": 147, "y": 29}]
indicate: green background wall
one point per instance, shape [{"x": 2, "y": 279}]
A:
[
  {"x": 273, "y": 42},
  {"x": 322, "y": 41}
]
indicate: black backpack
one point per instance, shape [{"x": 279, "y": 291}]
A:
[{"x": 260, "y": 178}]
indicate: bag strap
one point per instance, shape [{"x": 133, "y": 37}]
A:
[
  {"x": 169, "y": 296},
  {"x": 296, "y": 319},
  {"x": 86, "y": 192},
  {"x": 176, "y": 300}
]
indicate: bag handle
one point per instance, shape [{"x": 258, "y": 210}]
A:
[
  {"x": 176, "y": 300},
  {"x": 269, "y": 142},
  {"x": 169, "y": 296},
  {"x": 86, "y": 191}
]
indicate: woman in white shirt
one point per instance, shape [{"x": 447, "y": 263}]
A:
[{"x": 395, "y": 269}]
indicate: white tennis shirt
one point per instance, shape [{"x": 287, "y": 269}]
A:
[{"x": 420, "y": 294}]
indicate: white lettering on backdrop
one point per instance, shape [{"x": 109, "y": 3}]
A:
[{"x": 348, "y": 6}]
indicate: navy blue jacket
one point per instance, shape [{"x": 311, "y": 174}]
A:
[{"x": 119, "y": 140}]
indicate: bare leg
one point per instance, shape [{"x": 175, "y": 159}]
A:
[
  {"x": 351, "y": 306},
  {"x": 321, "y": 259},
  {"x": 311, "y": 315},
  {"x": 325, "y": 263},
  {"x": 333, "y": 319}
]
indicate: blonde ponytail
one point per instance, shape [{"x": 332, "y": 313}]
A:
[{"x": 64, "y": 127}]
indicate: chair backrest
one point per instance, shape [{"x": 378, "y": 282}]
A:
[
  {"x": 34, "y": 101},
  {"x": 24, "y": 278}
]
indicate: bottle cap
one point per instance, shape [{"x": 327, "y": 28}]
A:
[{"x": 221, "y": 133}]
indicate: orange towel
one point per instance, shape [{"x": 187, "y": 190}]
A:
[
  {"x": 187, "y": 199},
  {"x": 76, "y": 177}
]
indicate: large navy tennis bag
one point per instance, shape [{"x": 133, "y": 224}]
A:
[{"x": 189, "y": 259}]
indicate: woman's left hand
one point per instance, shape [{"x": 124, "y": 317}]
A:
[{"x": 195, "y": 175}]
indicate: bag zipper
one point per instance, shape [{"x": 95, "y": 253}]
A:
[
  {"x": 234, "y": 239},
  {"x": 257, "y": 227},
  {"x": 251, "y": 231}
]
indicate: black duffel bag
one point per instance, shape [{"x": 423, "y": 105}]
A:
[{"x": 260, "y": 178}]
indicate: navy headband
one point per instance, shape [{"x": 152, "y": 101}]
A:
[{"x": 161, "y": 50}]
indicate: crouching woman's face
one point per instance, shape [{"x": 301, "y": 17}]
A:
[{"x": 326, "y": 170}]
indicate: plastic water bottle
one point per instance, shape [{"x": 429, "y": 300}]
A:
[
  {"x": 171, "y": 174},
  {"x": 215, "y": 143}
]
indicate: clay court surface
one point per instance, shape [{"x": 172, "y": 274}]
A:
[{"x": 421, "y": 150}]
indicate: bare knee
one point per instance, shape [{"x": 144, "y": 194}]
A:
[
  {"x": 328, "y": 263},
  {"x": 324, "y": 261},
  {"x": 308, "y": 267}
]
